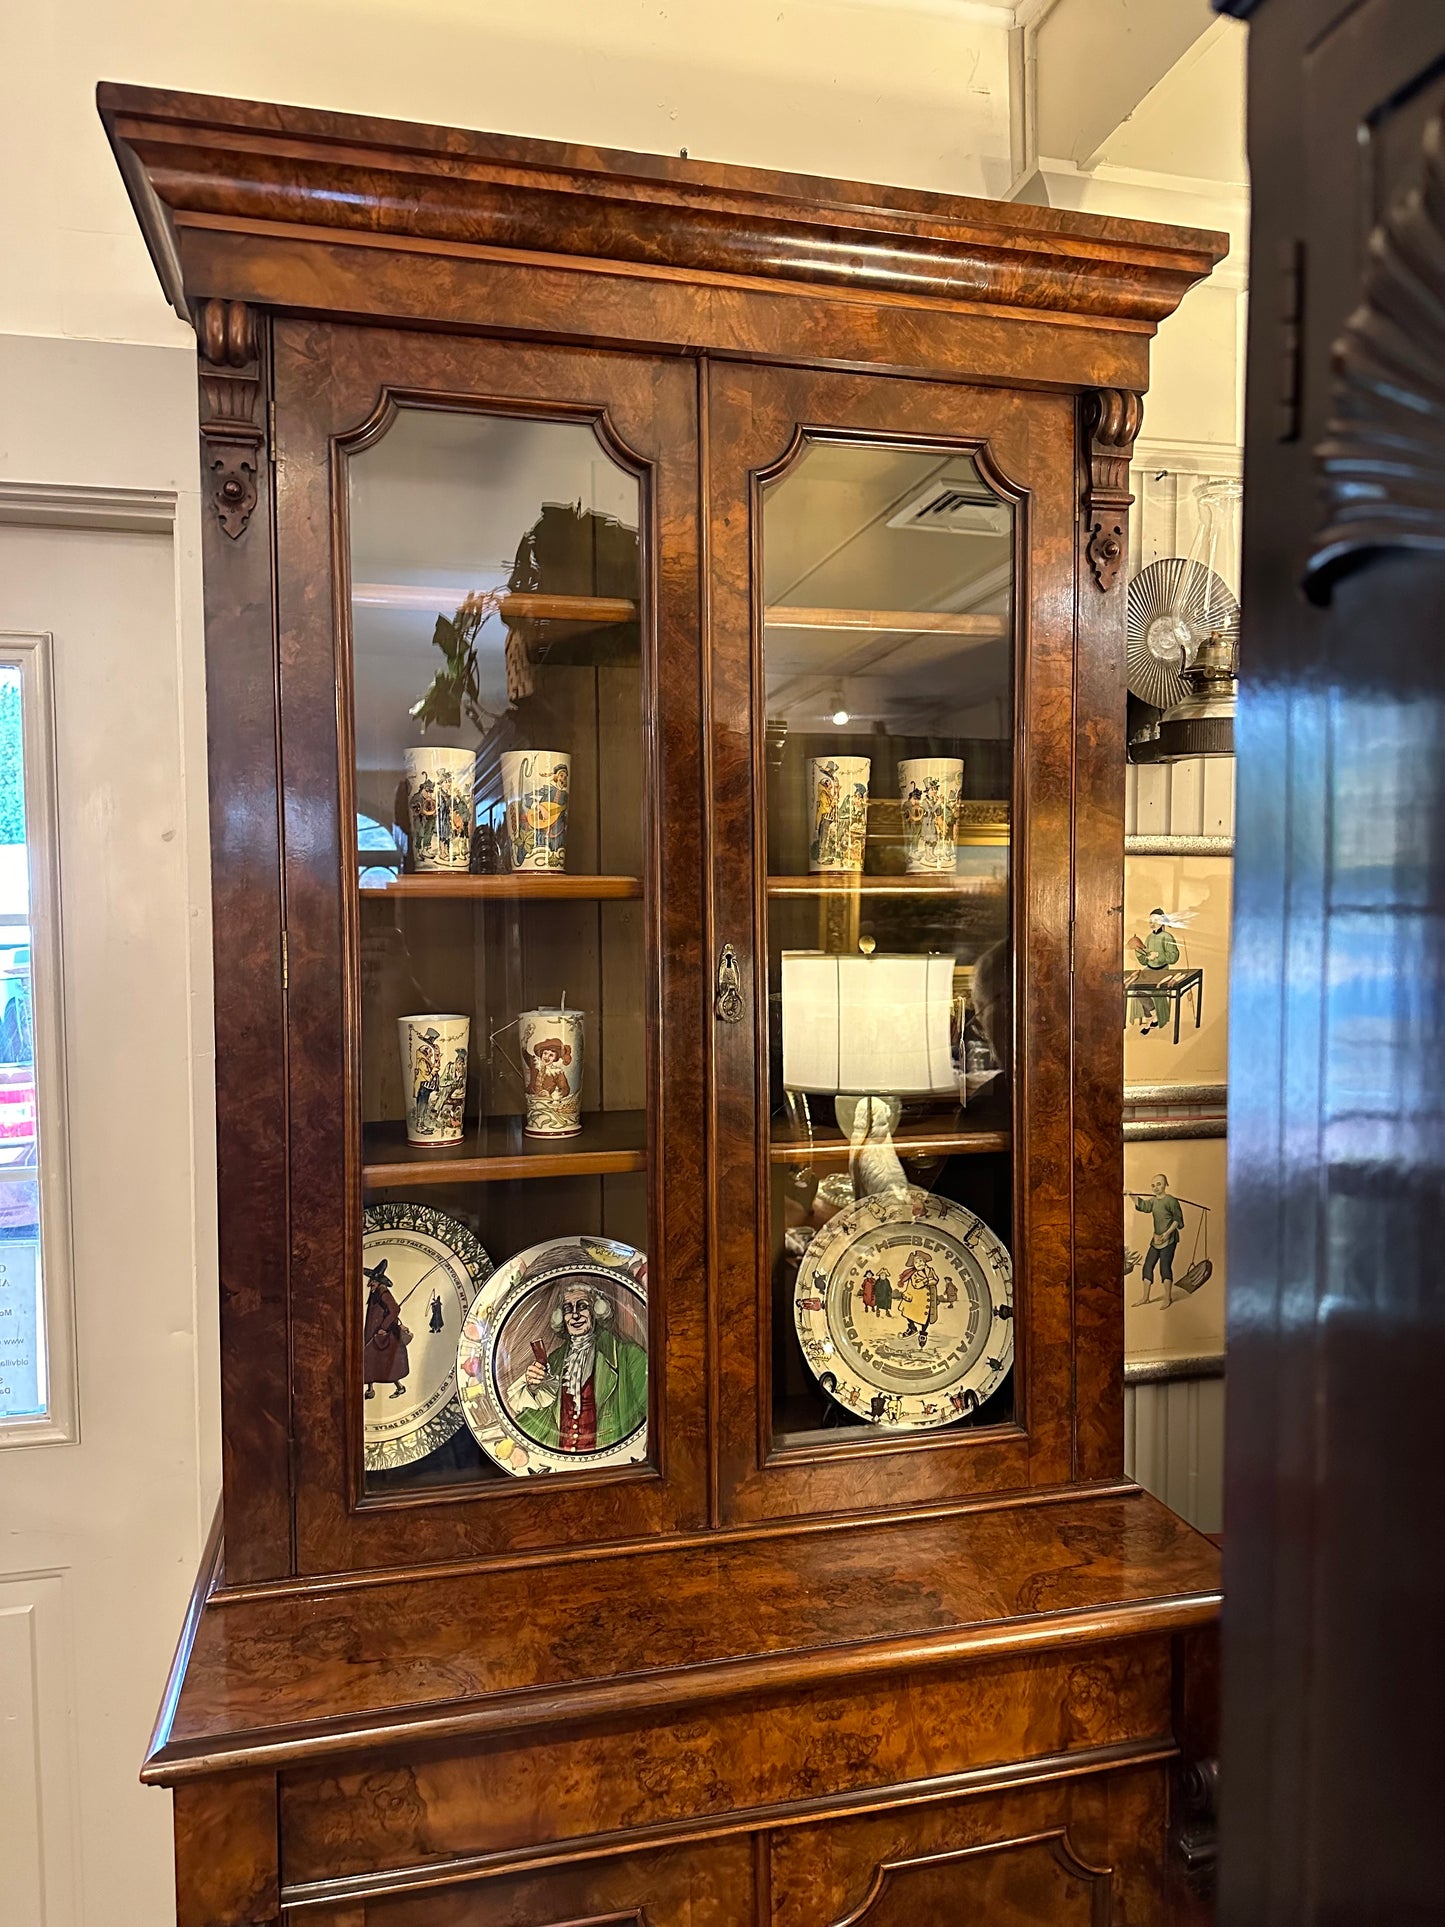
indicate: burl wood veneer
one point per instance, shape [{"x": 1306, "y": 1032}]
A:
[{"x": 816, "y": 1684}]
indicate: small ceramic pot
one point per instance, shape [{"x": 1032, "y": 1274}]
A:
[
  {"x": 838, "y": 792},
  {"x": 551, "y": 1043},
  {"x": 434, "y": 1075},
  {"x": 534, "y": 791},
  {"x": 439, "y": 784},
  {"x": 930, "y": 789}
]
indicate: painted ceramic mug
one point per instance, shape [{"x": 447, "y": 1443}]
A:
[
  {"x": 534, "y": 791},
  {"x": 930, "y": 789},
  {"x": 439, "y": 784},
  {"x": 838, "y": 795},
  {"x": 551, "y": 1042},
  {"x": 434, "y": 1075}
]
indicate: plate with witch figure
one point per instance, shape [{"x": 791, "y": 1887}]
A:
[
  {"x": 552, "y": 1365},
  {"x": 904, "y": 1309},
  {"x": 421, "y": 1269}
]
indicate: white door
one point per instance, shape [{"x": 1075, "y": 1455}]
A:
[{"x": 99, "y": 1539}]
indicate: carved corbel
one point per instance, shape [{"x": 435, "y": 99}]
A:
[
  {"x": 1382, "y": 463},
  {"x": 232, "y": 437},
  {"x": 1112, "y": 417},
  {"x": 1197, "y": 1839}
]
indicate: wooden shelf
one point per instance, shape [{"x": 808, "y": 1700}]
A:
[
  {"x": 853, "y": 883},
  {"x": 528, "y": 885},
  {"x": 944, "y": 1135},
  {"x": 603, "y": 611},
  {"x": 495, "y": 1147},
  {"x": 436, "y": 599},
  {"x": 596, "y": 610},
  {"x": 937, "y": 622}
]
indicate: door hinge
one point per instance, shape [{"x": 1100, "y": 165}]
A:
[
  {"x": 1071, "y": 946},
  {"x": 285, "y": 962}
]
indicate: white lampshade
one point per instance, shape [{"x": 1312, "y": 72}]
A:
[{"x": 872, "y": 1026}]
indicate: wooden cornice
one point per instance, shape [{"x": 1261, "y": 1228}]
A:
[
  {"x": 319, "y": 1672},
  {"x": 193, "y": 162}
]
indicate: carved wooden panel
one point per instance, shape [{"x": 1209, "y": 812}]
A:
[
  {"x": 1085, "y": 1852},
  {"x": 1036, "y": 1878},
  {"x": 232, "y": 436},
  {"x": 1112, "y": 418},
  {"x": 695, "y": 1886},
  {"x": 1382, "y": 463}
]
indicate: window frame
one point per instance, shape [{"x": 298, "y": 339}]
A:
[{"x": 33, "y": 654}]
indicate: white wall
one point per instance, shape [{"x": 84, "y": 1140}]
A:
[
  {"x": 1180, "y": 158},
  {"x": 906, "y": 91}
]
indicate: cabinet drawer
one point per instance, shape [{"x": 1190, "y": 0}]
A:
[{"x": 747, "y": 1756}]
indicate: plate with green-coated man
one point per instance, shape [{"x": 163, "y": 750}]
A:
[{"x": 552, "y": 1364}]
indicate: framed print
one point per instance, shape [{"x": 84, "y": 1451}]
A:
[
  {"x": 1174, "y": 1248},
  {"x": 1176, "y": 966}
]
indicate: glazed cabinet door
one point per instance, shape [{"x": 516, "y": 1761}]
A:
[
  {"x": 489, "y": 742},
  {"x": 892, "y": 650}
]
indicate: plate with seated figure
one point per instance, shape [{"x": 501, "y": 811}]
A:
[
  {"x": 420, "y": 1272},
  {"x": 904, "y": 1309}
]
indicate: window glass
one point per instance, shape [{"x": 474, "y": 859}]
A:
[
  {"x": 24, "y": 1389},
  {"x": 889, "y": 664},
  {"x": 502, "y": 852}
]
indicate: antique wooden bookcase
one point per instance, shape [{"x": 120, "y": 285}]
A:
[{"x": 846, "y": 471}]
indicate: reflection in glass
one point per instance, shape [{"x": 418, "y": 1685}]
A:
[
  {"x": 501, "y": 830},
  {"x": 888, "y": 655}
]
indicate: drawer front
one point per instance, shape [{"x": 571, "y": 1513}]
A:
[
  {"x": 495, "y": 1798},
  {"x": 697, "y": 1886},
  {"x": 1082, "y": 1853}
]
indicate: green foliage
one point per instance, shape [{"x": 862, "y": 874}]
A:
[
  {"x": 12, "y": 780},
  {"x": 455, "y": 690}
]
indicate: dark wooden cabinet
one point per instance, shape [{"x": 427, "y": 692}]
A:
[{"x": 855, "y": 1616}]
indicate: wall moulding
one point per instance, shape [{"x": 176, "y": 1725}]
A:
[{"x": 78, "y": 506}]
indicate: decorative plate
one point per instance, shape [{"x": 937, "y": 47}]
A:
[
  {"x": 552, "y": 1365},
  {"x": 420, "y": 1272},
  {"x": 1168, "y": 602},
  {"x": 904, "y": 1309}
]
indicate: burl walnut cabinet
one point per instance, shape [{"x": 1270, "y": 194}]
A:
[{"x": 691, "y": 597}]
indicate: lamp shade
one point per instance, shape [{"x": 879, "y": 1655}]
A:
[{"x": 871, "y": 1026}]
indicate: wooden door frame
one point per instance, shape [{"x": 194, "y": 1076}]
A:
[
  {"x": 646, "y": 407},
  {"x": 1027, "y": 442}
]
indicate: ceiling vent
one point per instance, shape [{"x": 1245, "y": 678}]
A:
[{"x": 954, "y": 505}]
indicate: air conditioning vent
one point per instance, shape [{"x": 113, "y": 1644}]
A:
[{"x": 954, "y": 505}]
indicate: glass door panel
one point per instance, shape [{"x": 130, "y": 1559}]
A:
[
  {"x": 888, "y": 662},
  {"x": 893, "y": 742},
  {"x": 501, "y": 831}
]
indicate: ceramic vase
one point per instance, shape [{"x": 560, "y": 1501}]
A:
[
  {"x": 439, "y": 785},
  {"x": 434, "y": 1075},
  {"x": 534, "y": 791},
  {"x": 930, "y": 789},
  {"x": 838, "y": 794},
  {"x": 551, "y": 1044}
]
